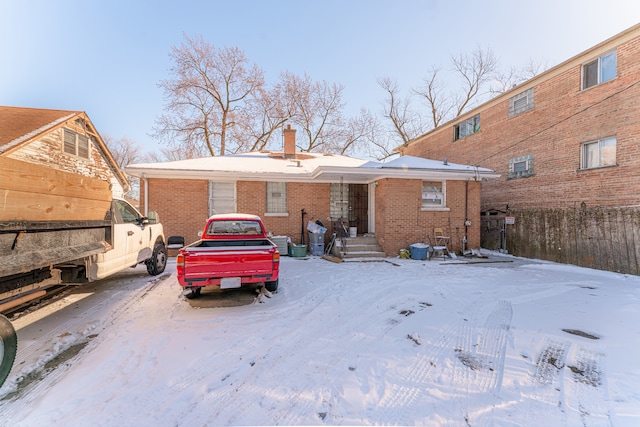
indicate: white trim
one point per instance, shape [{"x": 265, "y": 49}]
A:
[{"x": 372, "y": 207}]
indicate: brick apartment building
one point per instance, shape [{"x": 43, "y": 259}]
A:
[
  {"x": 566, "y": 144},
  {"x": 398, "y": 202}
]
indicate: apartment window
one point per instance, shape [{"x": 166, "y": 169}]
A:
[
  {"x": 520, "y": 167},
  {"x": 222, "y": 197},
  {"x": 599, "y": 70},
  {"x": 432, "y": 194},
  {"x": 277, "y": 197},
  {"x": 597, "y": 154},
  {"x": 468, "y": 127},
  {"x": 521, "y": 102},
  {"x": 76, "y": 144}
]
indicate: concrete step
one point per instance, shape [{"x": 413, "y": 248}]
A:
[
  {"x": 361, "y": 247},
  {"x": 363, "y": 254}
]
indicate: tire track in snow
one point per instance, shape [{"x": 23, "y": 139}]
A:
[
  {"x": 62, "y": 340},
  {"x": 547, "y": 384},
  {"x": 280, "y": 404},
  {"x": 587, "y": 394},
  {"x": 480, "y": 351}
]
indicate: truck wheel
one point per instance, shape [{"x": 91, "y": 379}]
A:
[
  {"x": 158, "y": 261},
  {"x": 195, "y": 293},
  {"x": 8, "y": 348},
  {"x": 271, "y": 286}
]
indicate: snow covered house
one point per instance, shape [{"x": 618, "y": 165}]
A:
[{"x": 398, "y": 202}]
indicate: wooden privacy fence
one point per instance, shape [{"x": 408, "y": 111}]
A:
[{"x": 598, "y": 237}]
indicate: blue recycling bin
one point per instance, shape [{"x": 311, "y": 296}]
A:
[{"x": 419, "y": 251}]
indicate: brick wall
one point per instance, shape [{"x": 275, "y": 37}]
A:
[
  {"x": 183, "y": 205},
  {"x": 564, "y": 117},
  {"x": 400, "y": 221},
  {"x": 183, "y": 209}
]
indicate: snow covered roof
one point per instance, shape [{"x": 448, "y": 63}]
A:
[{"x": 305, "y": 167}]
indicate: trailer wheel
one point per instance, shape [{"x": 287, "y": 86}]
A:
[
  {"x": 8, "y": 348},
  {"x": 158, "y": 261},
  {"x": 271, "y": 286}
]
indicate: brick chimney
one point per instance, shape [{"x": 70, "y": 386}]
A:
[{"x": 289, "y": 142}]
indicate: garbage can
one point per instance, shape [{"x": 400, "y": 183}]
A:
[
  {"x": 419, "y": 251},
  {"x": 316, "y": 242}
]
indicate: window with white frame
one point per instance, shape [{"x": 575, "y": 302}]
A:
[
  {"x": 222, "y": 197},
  {"x": 521, "y": 102},
  {"x": 277, "y": 197},
  {"x": 520, "y": 167},
  {"x": 466, "y": 128},
  {"x": 433, "y": 194},
  {"x": 597, "y": 154},
  {"x": 599, "y": 70},
  {"x": 75, "y": 143}
]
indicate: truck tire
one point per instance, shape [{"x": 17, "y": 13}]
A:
[
  {"x": 158, "y": 261},
  {"x": 271, "y": 286},
  {"x": 8, "y": 348}
]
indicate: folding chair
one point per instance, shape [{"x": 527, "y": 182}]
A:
[{"x": 441, "y": 243}]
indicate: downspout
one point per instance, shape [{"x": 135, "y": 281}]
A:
[
  {"x": 146, "y": 195},
  {"x": 466, "y": 216}
]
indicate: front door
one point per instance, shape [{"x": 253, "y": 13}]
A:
[{"x": 359, "y": 207}]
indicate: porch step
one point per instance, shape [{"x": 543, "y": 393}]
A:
[{"x": 361, "y": 247}]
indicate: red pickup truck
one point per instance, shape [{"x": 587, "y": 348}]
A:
[{"x": 233, "y": 251}]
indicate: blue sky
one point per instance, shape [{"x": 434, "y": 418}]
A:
[{"x": 107, "y": 57}]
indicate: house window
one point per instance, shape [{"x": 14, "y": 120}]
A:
[
  {"x": 339, "y": 201},
  {"x": 597, "y": 154},
  {"x": 521, "y": 102},
  {"x": 76, "y": 144},
  {"x": 222, "y": 197},
  {"x": 277, "y": 197},
  {"x": 520, "y": 167},
  {"x": 599, "y": 70},
  {"x": 468, "y": 127},
  {"x": 432, "y": 194}
]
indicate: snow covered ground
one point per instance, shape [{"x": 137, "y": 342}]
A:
[{"x": 510, "y": 343}]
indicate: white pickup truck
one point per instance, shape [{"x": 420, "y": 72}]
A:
[{"x": 36, "y": 255}]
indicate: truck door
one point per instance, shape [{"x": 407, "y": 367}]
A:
[{"x": 128, "y": 227}]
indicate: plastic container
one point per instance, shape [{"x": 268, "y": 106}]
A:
[
  {"x": 419, "y": 251},
  {"x": 316, "y": 238},
  {"x": 316, "y": 248},
  {"x": 297, "y": 251},
  {"x": 353, "y": 231},
  {"x": 282, "y": 243}
]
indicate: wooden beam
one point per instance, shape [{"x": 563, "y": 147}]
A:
[{"x": 30, "y": 192}]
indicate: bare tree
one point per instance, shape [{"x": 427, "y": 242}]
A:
[
  {"x": 406, "y": 123},
  {"x": 316, "y": 112},
  {"x": 474, "y": 70},
  {"x": 209, "y": 90},
  {"x": 437, "y": 102},
  {"x": 123, "y": 150},
  {"x": 505, "y": 80}
]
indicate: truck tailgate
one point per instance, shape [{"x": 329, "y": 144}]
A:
[{"x": 227, "y": 262}]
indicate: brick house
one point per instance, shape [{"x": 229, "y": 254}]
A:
[
  {"x": 566, "y": 144},
  {"x": 398, "y": 202},
  {"x": 60, "y": 140}
]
